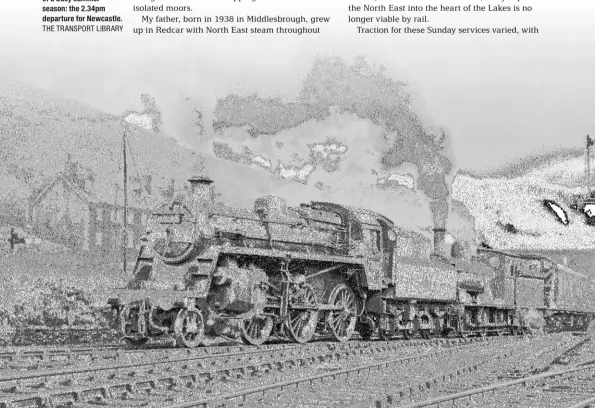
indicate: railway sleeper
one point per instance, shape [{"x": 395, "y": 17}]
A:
[
  {"x": 17, "y": 386},
  {"x": 236, "y": 373},
  {"x": 313, "y": 381},
  {"x": 412, "y": 390},
  {"x": 206, "y": 378},
  {"x": 125, "y": 389}
]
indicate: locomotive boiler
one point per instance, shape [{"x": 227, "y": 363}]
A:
[{"x": 207, "y": 269}]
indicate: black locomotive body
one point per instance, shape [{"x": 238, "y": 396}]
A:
[{"x": 208, "y": 269}]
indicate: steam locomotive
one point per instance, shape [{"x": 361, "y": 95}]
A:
[{"x": 206, "y": 269}]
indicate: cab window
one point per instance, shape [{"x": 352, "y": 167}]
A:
[{"x": 373, "y": 240}]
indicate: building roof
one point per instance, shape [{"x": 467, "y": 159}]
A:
[
  {"x": 572, "y": 272},
  {"x": 80, "y": 193},
  {"x": 94, "y": 193}
]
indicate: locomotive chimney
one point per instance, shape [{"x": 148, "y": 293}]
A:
[
  {"x": 440, "y": 242},
  {"x": 200, "y": 195},
  {"x": 462, "y": 250}
]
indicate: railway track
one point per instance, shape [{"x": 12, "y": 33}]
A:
[
  {"x": 314, "y": 389},
  {"x": 566, "y": 358},
  {"x": 118, "y": 383},
  {"x": 31, "y": 358},
  {"x": 37, "y": 357},
  {"x": 588, "y": 403},
  {"x": 341, "y": 387},
  {"x": 52, "y": 336},
  {"x": 526, "y": 359},
  {"x": 561, "y": 381},
  {"x": 477, "y": 393},
  {"x": 26, "y": 357}
]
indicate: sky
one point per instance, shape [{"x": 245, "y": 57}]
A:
[{"x": 500, "y": 97}]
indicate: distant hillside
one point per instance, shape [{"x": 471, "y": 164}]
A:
[
  {"x": 39, "y": 131},
  {"x": 509, "y": 211},
  {"x": 519, "y": 167}
]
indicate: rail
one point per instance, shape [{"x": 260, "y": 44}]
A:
[
  {"x": 585, "y": 365},
  {"x": 244, "y": 394},
  {"x": 23, "y": 389},
  {"x": 588, "y": 403}
]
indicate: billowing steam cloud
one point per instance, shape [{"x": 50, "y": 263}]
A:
[{"x": 351, "y": 131}]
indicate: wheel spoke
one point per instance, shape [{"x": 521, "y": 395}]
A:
[
  {"x": 342, "y": 322},
  {"x": 252, "y": 329},
  {"x": 335, "y": 323},
  {"x": 342, "y": 328},
  {"x": 189, "y": 328},
  {"x": 301, "y": 324},
  {"x": 257, "y": 329}
]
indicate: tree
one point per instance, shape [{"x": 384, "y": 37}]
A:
[{"x": 152, "y": 111}]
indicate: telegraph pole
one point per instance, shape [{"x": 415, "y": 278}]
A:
[
  {"x": 125, "y": 218},
  {"x": 589, "y": 144}
]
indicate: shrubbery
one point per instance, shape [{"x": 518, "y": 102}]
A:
[
  {"x": 52, "y": 304},
  {"x": 6, "y": 329}
]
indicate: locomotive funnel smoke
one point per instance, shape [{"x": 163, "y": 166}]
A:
[
  {"x": 440, "y": 242},
  {"x": 461, "y": 226},
  {"x": 350, "y": 129}
]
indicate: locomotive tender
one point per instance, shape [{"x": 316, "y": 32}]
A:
[{"x": 208, "y": 269}]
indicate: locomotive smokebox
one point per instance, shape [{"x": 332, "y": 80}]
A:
[
  {"x": 440, "y": 242},
  {"x": 200, "y": 195}
]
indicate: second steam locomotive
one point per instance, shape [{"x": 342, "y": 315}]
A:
[{"x": 206, "y": 269}]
